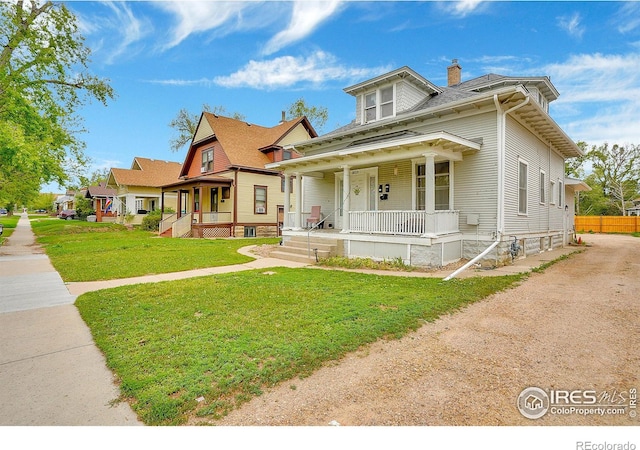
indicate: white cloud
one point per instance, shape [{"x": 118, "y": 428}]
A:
[
  {"x": 199, "y": 16},
  {"x": 628, "y": 17},
  {"x": 131, "y": 29},
  {"x": 194, "y": 17},
  {"x": 122, "y": 27},
  {"x": 572, "y": 25},
  {"x": 287, "y": 72},
  {"x": 462, "y": 8},
  {"x": 306, "y": 16},
  {"x": 600, "y": 97},
  {"x": 290, "y": 71}
]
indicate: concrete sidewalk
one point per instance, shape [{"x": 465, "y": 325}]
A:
[{"x": 51, "y": 372}]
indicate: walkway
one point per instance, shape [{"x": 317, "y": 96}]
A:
[{"x": 51, "y": 372}]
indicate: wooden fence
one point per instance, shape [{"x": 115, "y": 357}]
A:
[{"x": 607, "y": 224}]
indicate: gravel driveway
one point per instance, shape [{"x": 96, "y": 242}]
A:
[{"x": 574, "y": 327}]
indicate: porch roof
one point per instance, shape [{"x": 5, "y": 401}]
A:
[
  {"x": 576, "y": 185},
  {"x": 207, "y": 180},
  {"x": 390, "y": 147}
]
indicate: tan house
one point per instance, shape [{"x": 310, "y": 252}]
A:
[
  {"x": 139, "y": 189},
  {"x": 224, "y": 189}
]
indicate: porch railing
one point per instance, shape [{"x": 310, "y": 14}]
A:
[
  {"x": 412, "y": 223},
  {"x": 290, "y": 219},
  {"x": 167, "y": 222},
  {"x": 182, "y": 226},
  {"x": 214, "y": 217}
]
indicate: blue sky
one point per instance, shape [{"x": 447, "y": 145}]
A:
[{"x": 256, "y": 58}]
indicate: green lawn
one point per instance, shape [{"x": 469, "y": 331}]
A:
[
  {"x": 9, "y": 224},
  {"x": 89, "y": 251},
  {"x": 227, "y": 337}
]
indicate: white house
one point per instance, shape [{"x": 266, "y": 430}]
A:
[{"x": 432, "y": 174}]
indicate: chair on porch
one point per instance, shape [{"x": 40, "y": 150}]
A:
[{"x": 315, "y": 217}]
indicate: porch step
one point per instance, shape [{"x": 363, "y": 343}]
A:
[
  {"x": 293, "y": 257},
  {"x": 300, "y": 250}
]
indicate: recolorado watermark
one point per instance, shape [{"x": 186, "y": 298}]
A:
[
  {"x": 534, "y": 403},
  {"x": 588, "y": 445}
]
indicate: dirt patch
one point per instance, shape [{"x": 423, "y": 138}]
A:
[{"x": 573, "y": 327}]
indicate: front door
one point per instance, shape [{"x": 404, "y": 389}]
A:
[
  {"x": 359, "y": 191},
  {"x": 362, "y": 192}
]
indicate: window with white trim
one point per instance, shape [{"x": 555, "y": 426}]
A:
[
  {"x": 442, "y": 183},
  {"x": 207, "y": 161},
  {"x": 560, "y": 194},
  {"x": 523, "y": 173},
  {"x": 260, "y": 199},
  {"x": 379, "y": 104},
  {"x": 543, "y": 187}
]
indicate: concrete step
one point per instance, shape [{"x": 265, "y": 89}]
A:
[
  {"x": 293, "y": 257},
  {"x": 312, "y": 244},
  {"x": 322, "y": 253},
  {"x": 314, "y": 238}
]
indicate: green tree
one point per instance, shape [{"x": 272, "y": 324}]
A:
[
  {"x": 616, "y": 170},
  {"x": 44, "y": 80},
  {"x": 317, "y": 115},
  {"x": 44, "y": 201},
  {"x": 185, "y": 124}
]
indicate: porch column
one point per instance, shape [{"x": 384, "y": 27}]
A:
[
  {"x": 430, "y": 195},
  {"x": 130, "y": 204},
  {"x": 346, "y": 203},
  {"x": 430, "y": 183},
  {"x": 287, "y": 200},
  {"x": 298, "y": 190}
]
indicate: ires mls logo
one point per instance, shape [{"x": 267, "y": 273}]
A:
[{"x": 534, "y": 402}]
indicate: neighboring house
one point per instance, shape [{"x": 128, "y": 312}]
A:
[
  {"x": 635, "y": 209},
  {"x": 66, "y": 201},
  {"x": 139, "y": 189},
  {"x": 224, "y": 188},
  {"x": 102, "y": 199},
  {"x": 432, "y": 174}
]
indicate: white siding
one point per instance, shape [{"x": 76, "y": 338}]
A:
[
  {"x": 475, "y": 178},
  {"x": 407, "y": 96},
  {"x": 541, "y": 218},
  {"x": 319, "y": 191},
  {"x": 400, "y": 187}
]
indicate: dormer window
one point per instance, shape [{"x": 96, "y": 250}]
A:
[{"x": 379, "y": 104}]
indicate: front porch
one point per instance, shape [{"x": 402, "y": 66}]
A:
[{"x": 201, "y": 209}]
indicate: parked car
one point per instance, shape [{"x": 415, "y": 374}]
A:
[
  {"x": 41, "y": 211},
  {"x": 67, "y": 214},
  {"x": 3, "y": 211}
]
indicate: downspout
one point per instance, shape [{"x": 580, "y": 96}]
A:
[{"x": 501, "y": 132}]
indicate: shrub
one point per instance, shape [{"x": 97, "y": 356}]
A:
[{"x": 151, "y": 221}]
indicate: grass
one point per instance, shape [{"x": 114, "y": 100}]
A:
[
  {"x": 90, "y": 251},
  {"x": 225, "y": 338},
  {"x": 366, "y": 263},
  {"x": 9, "y": 224}
]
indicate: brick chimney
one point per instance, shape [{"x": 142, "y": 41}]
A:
[{"x": 454, "y": 73}]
